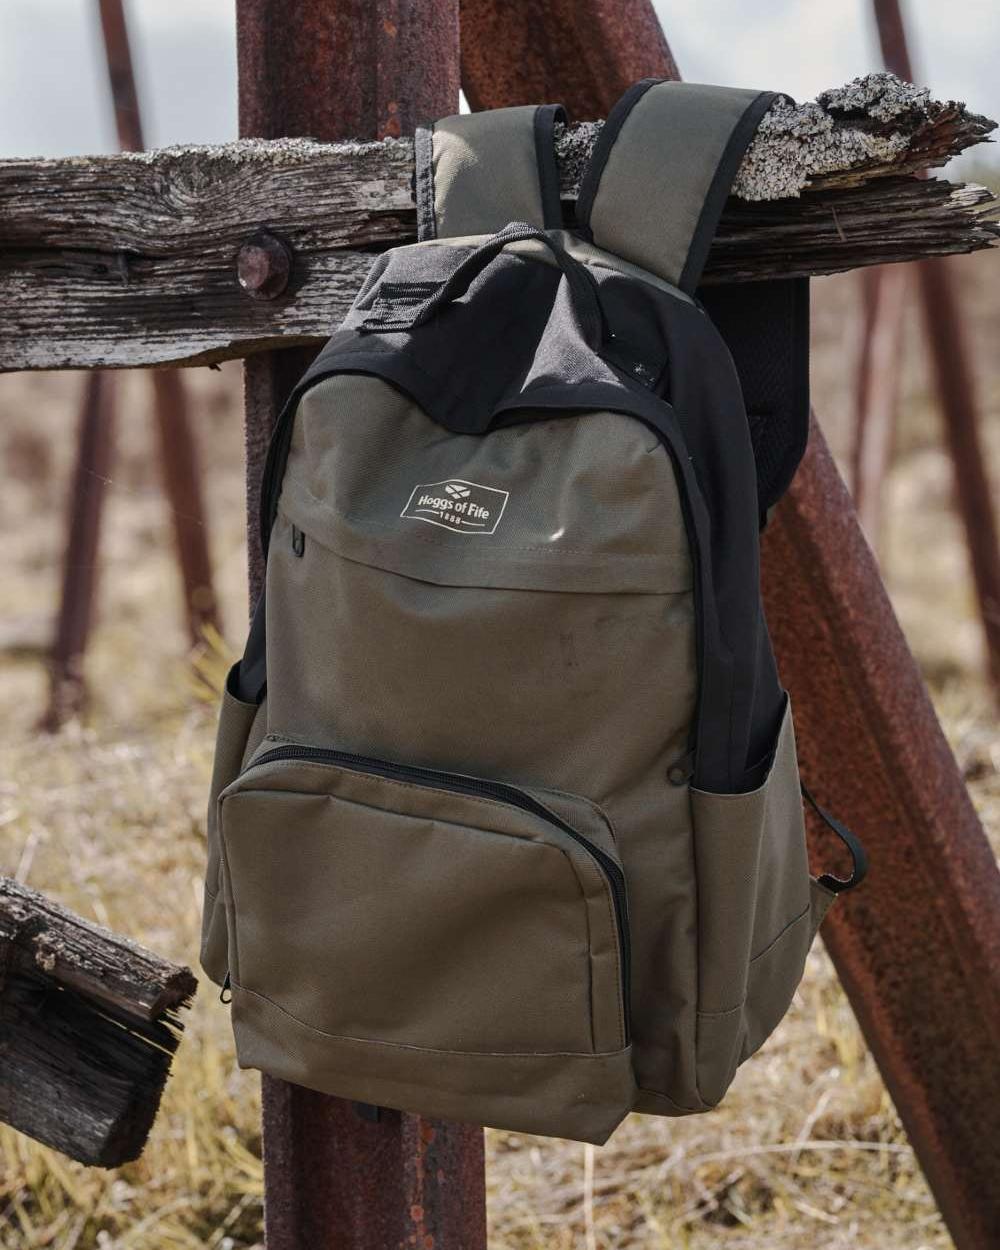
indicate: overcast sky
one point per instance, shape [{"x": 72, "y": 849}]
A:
[{"x": 53, "y": 95}]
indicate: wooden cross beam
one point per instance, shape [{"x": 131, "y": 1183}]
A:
[
  {"x": 158, "y": 258},
  {"x": 88, "y": 1026}
]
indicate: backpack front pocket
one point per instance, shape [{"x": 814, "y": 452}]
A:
[{"x": 428, "y": 941}]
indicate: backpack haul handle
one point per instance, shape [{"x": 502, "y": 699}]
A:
[{"x": 403, "y": 315}]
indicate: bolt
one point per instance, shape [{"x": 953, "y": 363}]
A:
[{"x": 263, "y": 265}]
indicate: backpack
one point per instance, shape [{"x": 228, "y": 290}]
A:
[{"x": 506, "y": 823}]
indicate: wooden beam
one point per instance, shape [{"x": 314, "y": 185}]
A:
[
  {"x": 131, "y": 260},
  {"x": 88, "y": 1027}
]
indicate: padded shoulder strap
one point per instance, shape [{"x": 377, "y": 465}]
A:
[
  {"x": 478, "y": 171},
  {"x": 662, "y": 167}
]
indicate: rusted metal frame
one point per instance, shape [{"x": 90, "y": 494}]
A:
[
  {"x": 582, "y": 55},
  {"x": 918, "y": 947},
  {"x": 94, "y": 453},
  {"x": 182, "y": 480},
  {"x": 878, "y": 381},
  {"x": 331, "y": 70},
  {"x": 953, "y": 373},
  {"x": 974, "y": 493},
  {"x": 179, "y": 459}
]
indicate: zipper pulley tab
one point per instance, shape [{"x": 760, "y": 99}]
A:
[{"x": 226, "y": 990}]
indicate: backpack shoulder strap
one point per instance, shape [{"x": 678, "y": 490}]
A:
[
  {"x": 662, "y": 167},
  {"x": 478, "y": 171}
]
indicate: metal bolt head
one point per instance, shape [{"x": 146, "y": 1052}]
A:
[{"x": 264, "y": 265}]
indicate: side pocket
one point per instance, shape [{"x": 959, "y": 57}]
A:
[
  {"x": 241, "y": 727},
  {"x": 821, "y": 900},
  {"x": 758, "y": 911}
]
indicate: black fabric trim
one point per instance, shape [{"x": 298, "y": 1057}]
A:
[
  {"x": 799, "y": 397},
  {"x": 423, "y": 184},
  {"x": 546, "y": 116},
  {"x": 591, "y": 180},
  {"x": 722, "y": 181},
  {"x": 247, "y": 680},
  {"x": 766, "y": 328}
]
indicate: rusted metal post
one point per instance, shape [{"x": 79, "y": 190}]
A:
[
  {"x": 95, "y": 448},
  {"x": 953, "y": 373},
  {"x": 581, "y": 54},
  {"x": 121, "y": 78},
  {"x": 918, "y": 948},
  {"x": 885, "y": 289},
  {"x": 339, "y": 69},
  {"x": 181, "y": 472},
  {"x": 178, "y": 450},
  {"x": 974, "y": 497}
]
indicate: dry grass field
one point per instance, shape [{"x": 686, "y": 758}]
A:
[{"x": 107, "y": 817}]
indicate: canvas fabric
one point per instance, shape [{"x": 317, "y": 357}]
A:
[{"x": 506, "y": 823}]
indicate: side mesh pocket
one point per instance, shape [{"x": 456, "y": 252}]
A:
[
  {"x": 758, "y": 911},
  {"x": 241, "y": 727}
]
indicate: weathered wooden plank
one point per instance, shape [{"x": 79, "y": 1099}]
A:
[
  {"x": 131, "y": 260},
  {"x": 88, "y": 1027}
]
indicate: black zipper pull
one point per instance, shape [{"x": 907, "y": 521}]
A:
[
  {"x": 298, "y": 540},
  {"x": 226, "y": 990}
]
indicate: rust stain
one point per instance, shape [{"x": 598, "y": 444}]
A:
[
  {"x": 581, "y": 54},
  {"x": 872, "y": 750}
]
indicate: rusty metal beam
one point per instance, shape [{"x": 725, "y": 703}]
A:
[
  {"x": 974, "y": 493},
  {"x": 181, "y": 472},
  {"x": 121, "y": 77},
  {"x": 580, "y": 53},
  {"x": 918, "y": 948},
  {"x": 95, "y": 449},
  {"x": 179, "y": 460},
  {"x": 336, "y": 69},
  {"x": 951, "y": 362},
  {"x": 337, "y": 1180},
  {"x": 878, "y": 381}
]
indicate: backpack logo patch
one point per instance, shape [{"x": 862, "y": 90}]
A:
[{"x": 454, "y": 504}]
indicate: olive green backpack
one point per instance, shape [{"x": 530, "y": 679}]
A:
[{"x": 506, "y": 823}]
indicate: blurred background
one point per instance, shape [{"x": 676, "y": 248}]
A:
[{"x": 106, "y": 814}]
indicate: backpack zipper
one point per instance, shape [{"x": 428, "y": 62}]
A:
[{"x": 477, "y": 788}]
